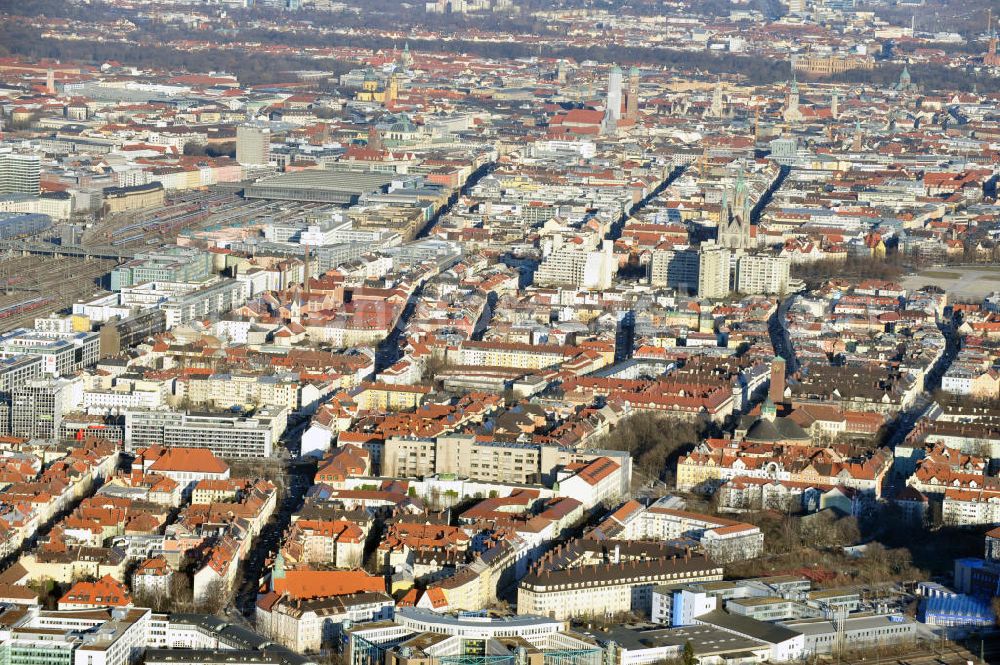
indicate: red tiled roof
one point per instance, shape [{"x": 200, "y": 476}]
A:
[
  {"x": 196, "y": 460},
  {"x": 105, "y": 592},
  {"x": 306, "y": 584}
]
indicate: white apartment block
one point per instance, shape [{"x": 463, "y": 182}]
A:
[
  {"x": 217, "y": 298},
  {"x": 722, "y": 539},
  {"x": 599, "y": 481},
  {"x": 510, "y": 354},
  {"x": 225, "y": 434},
  {"x": 103, "y": 401},
  {"x": 966, "y": 507},
  {"x": 762, "y": 274},
  {"x": 580, "y": 268}
]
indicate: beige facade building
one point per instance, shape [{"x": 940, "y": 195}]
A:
[
  {"x": 519, "y": 355},
  {"x": 253, "y": 145},
  {"x": 601, "y": 590},
  {"x": 503, "y": 462},
  {"x": 312, "y": 624},
  {"x": 390, "y": 396},
  {"x": 226, "y": 390},
  {"x": 826, "y": 65},
  {"x": 138, "y": 197},
  {"x": 464, "y": 456}
]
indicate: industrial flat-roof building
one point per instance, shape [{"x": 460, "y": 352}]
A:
[
  {"x": 858, "y": 632},
  {"x": 14, "y": 224},
  {"x": 644, "y": 644}
]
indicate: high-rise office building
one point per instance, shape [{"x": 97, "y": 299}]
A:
[
  {"x": 613, "y": 105},
  {"x": 37, "y": 407},
  {"x": 19, "y": 174},
  {"x": 253, "y": 145}
]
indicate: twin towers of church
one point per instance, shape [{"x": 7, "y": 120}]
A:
[
  {"x": 621, "y": 110},
  {"x": 735, "y": 216}
]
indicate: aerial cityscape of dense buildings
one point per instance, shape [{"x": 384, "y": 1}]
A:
[{"x": 499, "y": 332}]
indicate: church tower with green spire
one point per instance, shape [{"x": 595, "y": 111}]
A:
[
  {"x": 278, "y": 571},
  {"x": 406, "y": 59}
]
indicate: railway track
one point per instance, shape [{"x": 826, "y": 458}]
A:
[
  {"x": 950, "y": 654},
  {"x": 192, "y": 211},
  {"x": 37, "y": 286}
]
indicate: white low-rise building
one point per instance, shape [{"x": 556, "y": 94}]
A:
[{"x": 591, "y": 483}]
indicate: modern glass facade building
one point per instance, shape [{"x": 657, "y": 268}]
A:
[{"x": 422, "y": 637}]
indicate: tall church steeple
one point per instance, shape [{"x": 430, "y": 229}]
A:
[
  {"x": 278, "y": 571},
  {"x": 735, "y": 216},
  {"x": 717, "y": 109},
  {"x": 858, "y": 143},
  {"x": 792, "y": 112},
  {"x": 406, "y": 59},
  {"x": 905, "y": 80},
  {"x": 632, "y": 96}
]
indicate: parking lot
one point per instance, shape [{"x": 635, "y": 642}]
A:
[{"x": 961, "y": 282}]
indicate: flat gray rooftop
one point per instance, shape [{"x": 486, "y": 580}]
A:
[
  {"x": 704, "y": 638},
  {"x": 324, "y": 185}
]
